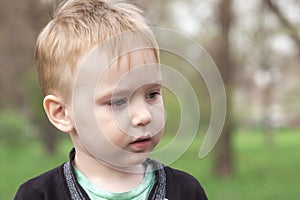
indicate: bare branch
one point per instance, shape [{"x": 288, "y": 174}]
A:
[{"x": 292, "y": 31}]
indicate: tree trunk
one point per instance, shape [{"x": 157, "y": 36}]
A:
[
  {"x": 223, "y": 166},
  {"x": 264, "y": 64}
]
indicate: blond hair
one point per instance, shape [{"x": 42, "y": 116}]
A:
[{"x": 76, "y": 28}]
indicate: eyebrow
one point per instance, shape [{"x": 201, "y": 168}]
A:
[
  {"x": 123, "y": 91},
  {"x": 109, "y": 93},
  {"x": 152, "y": 85}
]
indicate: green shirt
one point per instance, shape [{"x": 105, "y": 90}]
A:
[{"x": 140, "y": 192}]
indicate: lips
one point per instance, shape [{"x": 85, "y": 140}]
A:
[{"x": 140, "y": 144}]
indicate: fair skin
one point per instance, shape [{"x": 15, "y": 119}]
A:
[{"x": 128, "y": 108}]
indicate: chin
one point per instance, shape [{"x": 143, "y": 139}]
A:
[{"x": 138, "y": 159}]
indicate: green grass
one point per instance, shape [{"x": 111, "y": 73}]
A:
[
  {"x": 18, "y": 164},
  {"x": 261, "y": 171}
]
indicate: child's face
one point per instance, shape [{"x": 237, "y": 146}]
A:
[{"x": 128, "y": 109}]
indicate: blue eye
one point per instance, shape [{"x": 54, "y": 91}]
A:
[{"x": 117, "y": 103}]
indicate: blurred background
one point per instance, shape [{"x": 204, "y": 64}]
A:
[{"x": 256, "y": 46}]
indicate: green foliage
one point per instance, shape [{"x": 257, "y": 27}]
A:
[
  {"x": 33, "y": 94},
  {"x": 261, "y": 171},
  {"x": 173, "y": 104},
  {"x": 172, "y": 113},
  {"x": 24, "y": 162},
  {"x": 14, "y": 129},
  {"x": 34, "y": 99}
]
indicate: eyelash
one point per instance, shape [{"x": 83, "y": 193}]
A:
[
  {"x": 117, "y": 103},
  {"x": 155, "y": 93},
  {"x": 120, "y": 102}
]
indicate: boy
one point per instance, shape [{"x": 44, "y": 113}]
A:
[{"x": 98, "y": 67}]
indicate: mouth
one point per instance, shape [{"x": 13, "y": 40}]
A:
[{"x": 141, "y": 144}]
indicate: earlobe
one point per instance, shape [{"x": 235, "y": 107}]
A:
[{"x": 57, "y": 113}]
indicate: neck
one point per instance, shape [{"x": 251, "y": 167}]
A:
[{"x": 107, "y": 177}]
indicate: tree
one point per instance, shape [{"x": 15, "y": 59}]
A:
[
  {"x": 20, "y": 24},
  {"x": 291, "y": 30},
  {"x": 223, "y": 165}
]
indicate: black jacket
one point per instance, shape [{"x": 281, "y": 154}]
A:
[{"x": 56, "y": 185}]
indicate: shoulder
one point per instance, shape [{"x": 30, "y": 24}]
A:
[
  {"x": 48, "y": 185},
  {"x": 181, "y": 185}
]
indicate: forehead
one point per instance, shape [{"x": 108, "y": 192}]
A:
[
  {"x": 133, "y": 59},
  {"x": 134, "y": 69},
  {"x": 98, "y": 76}
]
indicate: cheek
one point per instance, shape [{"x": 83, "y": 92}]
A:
[
  {"x": 104, "y": 116},
  {"x": 109, "y": 126},
  {"x": 158, "y": 120},
  {"x": 105, "y": 121},
  {"x": 158, "y": 136}
]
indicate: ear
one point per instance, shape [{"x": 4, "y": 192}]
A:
[{"x": 57, "y": 113}]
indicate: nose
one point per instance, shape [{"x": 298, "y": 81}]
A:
[{"x": 139, "y": 112}]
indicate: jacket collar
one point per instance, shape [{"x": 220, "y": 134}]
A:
[{"x": 158, "y": 191}]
